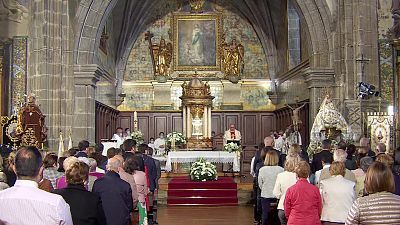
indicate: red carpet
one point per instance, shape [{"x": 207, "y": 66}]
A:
[{"x": 222, "y": 192}]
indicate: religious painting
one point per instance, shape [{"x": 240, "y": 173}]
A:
[
  {"x": 196, "y": 39},
  {"x": 380, "y": 126}
]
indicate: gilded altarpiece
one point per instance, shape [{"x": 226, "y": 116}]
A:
[{"x": 18, "y": 70}]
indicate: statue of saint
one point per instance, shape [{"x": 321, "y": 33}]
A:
[
  {"x": 232, "y": 58},
  {"x": 162, "y": 56}
]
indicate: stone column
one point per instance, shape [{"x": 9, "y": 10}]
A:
[
  {"x": 86, "y": 77},
  {"x": 317, "y": 80},
  {"x": 50, "y": 74}
]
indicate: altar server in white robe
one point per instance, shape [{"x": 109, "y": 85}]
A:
[
  {"x": 159, "y": 144},
  {"x": 119, "y": 136},
  {"x": 232, "y": 134}
]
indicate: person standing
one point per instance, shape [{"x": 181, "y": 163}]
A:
[
  {"x": 118, "y": 136},
  {"x": 159, "y": 144},
  {"x": 285, "y": 180},
  {"x": 325, "y": 153},
  {"x": 115, "y": 194},
  {"x": 266, "y": 180},
  {"x": 338, "y": 195},
  {"x": 86, "y": 207},
  {"x": 303, "y": 204},
  {"x": 25, "y": 203},
  {"x": 232, "y": 134},
  {"x": 381, "y": 206}
]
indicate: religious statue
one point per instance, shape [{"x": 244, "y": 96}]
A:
[
  {"x": 295, "y": 117},
  {"x": 232, "y": 59},
  {"x": 161, "y": 55},
  {"x": 12, "y": 10},
  {"x": 196, "y": 5}
]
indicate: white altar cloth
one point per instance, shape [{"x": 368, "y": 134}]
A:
[
  {"x": 209, "y": 156},
  {"x": 107, "y": 145}
]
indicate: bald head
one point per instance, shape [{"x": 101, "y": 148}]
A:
[
  {"x": 268, "y": 141},
  {"x": 113, "y": 164}
]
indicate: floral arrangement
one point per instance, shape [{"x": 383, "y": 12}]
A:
[
  {"x": 137, "y": 135},
  {"x": 232, "y": 147},
  {"x": 176, "y": 137},
  {"x": 202, "y": 170}
]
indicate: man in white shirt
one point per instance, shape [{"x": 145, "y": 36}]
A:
[
  {"x": 326, "y": 163},
  {"x": 25, "y": 203},
  {"x": 119, "y": 136},
  {"x": 159, "y": 144},
  {"x": 279, "y": 142},
  {"x": 232, "y": 134}
]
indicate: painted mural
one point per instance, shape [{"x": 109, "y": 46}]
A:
[
  {"x": 139, "y": 65},
  {"x": 256, "y": 98}
]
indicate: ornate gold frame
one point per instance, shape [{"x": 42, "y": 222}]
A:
[{"x": 217, "y": 17}]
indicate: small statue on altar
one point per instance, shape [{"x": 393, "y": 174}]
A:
[{"x": 232, "y": 58}]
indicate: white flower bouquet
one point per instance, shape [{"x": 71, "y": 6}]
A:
[
  {"x": 232, "y": 147},
  {"x": 137, "y": 136},
  {"x": 202, "y": 170},
  {"x": 176, "y": 137}
]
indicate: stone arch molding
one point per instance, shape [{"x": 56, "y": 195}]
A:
[{"x": 92, "y": 14}]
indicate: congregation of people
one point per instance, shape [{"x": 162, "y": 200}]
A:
[
  {"x": 342, "y": 184},
  {"x": 81, "y": 187}
]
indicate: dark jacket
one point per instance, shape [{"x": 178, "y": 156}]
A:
[
  {"x": 317, "y": 160},
  {"x": 85, "y": 206},
  {"x": 158, "y": 169},
  {"x": 116, "y": 197},
  {"x": 152, "y": 171}
]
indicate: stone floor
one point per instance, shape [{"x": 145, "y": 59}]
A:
[{"x": 185, "y": 215}]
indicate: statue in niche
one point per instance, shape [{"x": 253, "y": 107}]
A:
[
  {"x": 12, "y": 10},
  {"x": 232, "y": 59},
  {"x": 161, "y": 55}
]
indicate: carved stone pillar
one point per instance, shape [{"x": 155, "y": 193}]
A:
[
  {"x": 317, "y": 80},
  {"x": 85, "y": 80}
]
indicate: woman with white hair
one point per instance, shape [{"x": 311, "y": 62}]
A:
[
  {"x": 339, "y": 155},
  {"x": 61, "y": 182}
]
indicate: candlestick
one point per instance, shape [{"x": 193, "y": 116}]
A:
[{"x": 135, "y": 121}]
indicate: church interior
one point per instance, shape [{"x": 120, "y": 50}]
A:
[{"x": 208, "y": 86}]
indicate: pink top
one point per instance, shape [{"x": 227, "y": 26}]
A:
[
  {"x": 303, "y": 204},
  {"x": 141, "y": 184}
]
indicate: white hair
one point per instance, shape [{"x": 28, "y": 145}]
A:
[
  {"x": 69, "y": 162},
  {"x": 339, "y": 155}
]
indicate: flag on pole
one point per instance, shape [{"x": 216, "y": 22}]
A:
[
  {"x": 69, "y": 141},
  {"x": 60, "y": 146}
]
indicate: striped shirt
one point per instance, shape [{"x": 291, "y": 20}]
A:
[{"x": 25, "y": 203}]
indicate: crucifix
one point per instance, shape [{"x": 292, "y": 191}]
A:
[{"x": 362, "y": 61}]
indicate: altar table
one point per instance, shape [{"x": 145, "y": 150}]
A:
[{"x": 209, "y": 156}]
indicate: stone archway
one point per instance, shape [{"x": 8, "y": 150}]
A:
[{"x": 90, "y": 19}]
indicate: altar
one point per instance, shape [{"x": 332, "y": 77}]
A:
[{"x": 210, "y": 156}]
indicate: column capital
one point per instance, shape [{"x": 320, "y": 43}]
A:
[
  {"x": 87, "y": 74},
  {"x": 319, "y": 77}
]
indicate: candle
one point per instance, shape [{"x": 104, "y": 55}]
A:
[{"x": 135, "y": 121}]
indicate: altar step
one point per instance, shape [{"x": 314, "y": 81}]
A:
[{"x": 182, "y": 191}]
